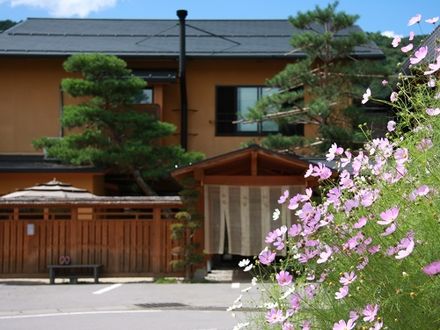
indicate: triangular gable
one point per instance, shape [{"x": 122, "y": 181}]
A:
[{"x": 251, "y": 161}]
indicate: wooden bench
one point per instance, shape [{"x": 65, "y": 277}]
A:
[{"x": 73, "y": 272}]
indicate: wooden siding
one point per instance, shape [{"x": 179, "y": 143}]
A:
[{"x": 127, "y": 243}]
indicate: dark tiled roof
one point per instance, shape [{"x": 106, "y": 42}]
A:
[
  {"x": 432, "y": 42},
  {"x": 156, "y": 38},
  {"x": 25, "y": 163}
]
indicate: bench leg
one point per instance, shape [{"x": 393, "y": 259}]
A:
[
  {"x": 52, "y": 276},
  {"x": 96, "y": 274}
]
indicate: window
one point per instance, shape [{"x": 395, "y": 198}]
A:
[
  {"x": 233, "y": 103},
  {"x": 146, "y": 97}
]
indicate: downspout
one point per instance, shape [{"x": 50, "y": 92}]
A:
[{"x": 182, "y": 79}]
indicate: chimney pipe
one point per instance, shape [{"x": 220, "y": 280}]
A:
[{"x": 181, "y": 14}]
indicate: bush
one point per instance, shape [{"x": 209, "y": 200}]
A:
[{"x": 370, "y": 251}]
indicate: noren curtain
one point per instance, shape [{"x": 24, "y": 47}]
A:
[{"x": 238, "y": 218}]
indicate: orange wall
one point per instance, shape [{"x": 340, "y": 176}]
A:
[
  {"x": 10, "y": 182},
  {"x": 30, "y": 102},
  {"x": 30, "y": 99}
]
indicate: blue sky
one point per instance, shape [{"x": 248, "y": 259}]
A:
[{"x": 375, "y": 15}]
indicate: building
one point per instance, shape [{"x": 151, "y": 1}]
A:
[{"x": 226, "y": 65}]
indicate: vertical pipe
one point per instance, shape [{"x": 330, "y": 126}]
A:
[{"x": 182, "y": 78}]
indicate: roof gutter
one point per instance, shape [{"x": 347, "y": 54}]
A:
[{"x": 181, "y": 14}]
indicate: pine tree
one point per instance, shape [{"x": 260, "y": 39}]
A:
[
  {"x": 112, "y": 133},
  {"x": 319, "y": 87}
]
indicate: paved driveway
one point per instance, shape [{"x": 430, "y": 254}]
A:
[{"x": 118, "y": 306}]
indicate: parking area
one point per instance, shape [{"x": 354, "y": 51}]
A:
[{"x": 37, "y": 305}]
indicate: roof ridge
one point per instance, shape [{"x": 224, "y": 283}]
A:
[{"x": 158, "y": 19}]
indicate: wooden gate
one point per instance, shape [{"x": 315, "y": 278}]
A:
[{"x": 128, "y": 240}]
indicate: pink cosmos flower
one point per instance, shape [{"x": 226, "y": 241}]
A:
[
  {"x": 431, "y": 83},
  {"x": 333, "y": 196},
  {"x": 347, "y": 278},
  {"x": 389, "y": 216},
  {"x": 407, "y": 251},
  {"x": 432, "y": 269},
  {"x": 362, "y": 222},
  {"x": 377, "y": 326},
  {"x": 342, "y": 292},
  {"x": 411, "y": 36},
  {"x": 279, "y": 244},
  {"x": 396, "y": 41},
  {"x": 433, "y": 112},
  {"x": 393, "y": 97},
  {"x": 283, "y": 197},
  {"x": 295, "y": 302},
  {"x": 424, "y": 144},
  {"x": 419, "y": 55},
  {"x": 323, "y": 256},
  {"x": 414, "y": 20},
  {"x": 333, "y": 151},
  {"x": 407, "y": 48},
  {"x": 306, "y": 325},
  {"x": 367, "y": 197},
  {"x": 401, "y": 155},
  {"x": 421, "y": 191},
  {"x": 432, "y": 20},
  {"x": 294, "y": 201},
  {"x": 321, "y": 171},
  {"x": 363, "y": 263},
  {"x": 389, "y": 230},
  {"x": 391, "y": 126},
  {"x": 266, "y": 257},
  {"x": 288, "y": 326},
  {"x": 342, "y": 325},
  {"x": 310, "y": 291},
  {"x": 274, "y": 316},
  {"x": 370, "y": 312},
  {"x": 306, "y": 197},
  {"x": 433, "y": 66},
  {"x": 353, "y": 315},
  {"x": 374, "y": 249},
  {"x": 284, "y": 278},
  {"x": 366, "y": 96},
  {"x": 294, "y": 230},
  {"x": 384, "y": 82}
]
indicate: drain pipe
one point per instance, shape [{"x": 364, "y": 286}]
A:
[{"x": 182, "y": 79}]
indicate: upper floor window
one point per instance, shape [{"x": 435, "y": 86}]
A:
[{"x": 233, "y": 103}]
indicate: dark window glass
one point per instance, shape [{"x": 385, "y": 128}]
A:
[{"x": 233, "y": 103}]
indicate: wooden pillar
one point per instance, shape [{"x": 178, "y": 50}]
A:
[{"x": 156, "y": 242}]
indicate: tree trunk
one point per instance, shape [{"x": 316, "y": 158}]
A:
[{"x": 141, "y": 183}]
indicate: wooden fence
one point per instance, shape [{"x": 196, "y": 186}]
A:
[{"x": 127, "y": 240}]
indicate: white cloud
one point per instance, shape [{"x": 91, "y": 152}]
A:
[
  {"x": 391, "y": 34},
  {"x": 65, "y": 8}
]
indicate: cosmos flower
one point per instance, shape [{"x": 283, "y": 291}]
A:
[
  {"x": 414, "y": 20},
  {"x": 342, "y": 292},
  {"x": 407, "y": 48},
  {"x": 391, "y": 126},
  {"x": 393, "y": 97},
  {"x": 342, "y": 325},
  {"x": 432, "y": 269},
  {"x": 407, "y": 251},
  {"x": 266, "y": 257},
  {"x": 419, "y": 55},
  {"x": 274, "y": 316},
  {"x": 366, "y": 96},
  {"x": 411, "y": 36},
  {"x": 388, "y": 216},
  {"x": 284, "y": 278},
  {"x": 433, "y": 112},
  {"x": 347, "y": 278},
  {"x": 396, "y": 41},
  {"x": 370, "y": 312},
  {"x": 283, "y": 197},
  {"x": 432, "y": 20}
]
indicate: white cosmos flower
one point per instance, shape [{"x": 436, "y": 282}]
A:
[{"x": 244, "y": 263}]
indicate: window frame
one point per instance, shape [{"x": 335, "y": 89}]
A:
[{"x": 258, "y": 132}]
